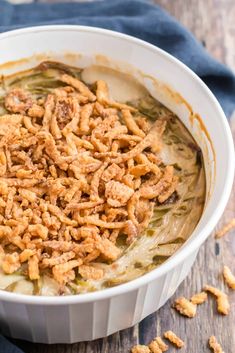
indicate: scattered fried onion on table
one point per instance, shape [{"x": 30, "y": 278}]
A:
[
  {"x": 185, "y": 307},
  {"x": 75, "y": 172},
  {"x": 229, "y": 226},
  {"x": 174, "y": 339},
  {"x": 229, "y": 277},
  {"x": 223, "y": 305},
  {"x": 214, "y": 345}
]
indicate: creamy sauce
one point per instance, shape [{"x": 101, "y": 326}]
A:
[
  {"x": 172, "y": 223},
  {"x": 122, "y": 87}
]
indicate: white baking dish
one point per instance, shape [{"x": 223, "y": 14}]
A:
[{"x": 89, "y": 316}]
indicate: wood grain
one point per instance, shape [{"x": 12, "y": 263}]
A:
[{"x": 213, "y": 23}]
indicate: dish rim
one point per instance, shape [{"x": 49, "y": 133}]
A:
[{"x": 186, "y": 250}]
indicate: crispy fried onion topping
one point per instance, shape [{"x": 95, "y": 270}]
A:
[{"x": 76, "y": 170}]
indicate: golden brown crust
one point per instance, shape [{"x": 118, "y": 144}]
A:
[{"x": 72, "y": 170}]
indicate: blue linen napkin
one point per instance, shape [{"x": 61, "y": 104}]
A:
[
  {"x": 137, "y": 18},
  {"x": 8, "y": 347},
  {"x": 134, "y": 17}
]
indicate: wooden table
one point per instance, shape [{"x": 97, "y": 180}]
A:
[{"x": 213, "y": 23}]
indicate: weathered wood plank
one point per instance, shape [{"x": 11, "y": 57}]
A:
[{"x": 213, "y": 23}]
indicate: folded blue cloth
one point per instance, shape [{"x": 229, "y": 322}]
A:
[
  {"x": 8, "y": 347},
  {"x": 134, "y": 17}
]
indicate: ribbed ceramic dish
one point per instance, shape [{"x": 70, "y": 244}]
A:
[{"x": 89, "y": 316}]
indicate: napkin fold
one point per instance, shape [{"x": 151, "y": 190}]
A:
[{"x": 137, "y": 18}]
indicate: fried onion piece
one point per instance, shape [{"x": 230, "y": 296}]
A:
[
  {"x": 102, "y": 92},
  {"x": 26, "y": 254},
  {"x": 131, "y": 208},
  {"x": 129, "y": 138},
  {"x": 131, "y": 124},
  {"x": 149, "y": 192},
  {"x": 74, "y": 112},
  {"x": 153, "y": 137},
  {"x": 29, "y": 195},
  {"x": 116, "y": 132},
  {"x": 171, "y": 336},
  {"x": 113, "y": 172},
  {"x": 144, "y": 160},
  {"x": 154, "y": 347},
  {"x": 229, "y": 277},
  {"x": 57, "y": 260},
  {"x": 98, "y": 222},
  {"x": 83, "y": 205},
  {"x": 79, "y": 86},
  {"x": 117, "y": 193},
  {"x": 143, "y": 123},
  {"x": 162, "y": 345},
  {"x": 29, "y": 125},
  {"x": 49, "y": 107},
  {"x": 225, "y": 229},
  {"x": 60, "y": 271},
  {"x": 169, "y": 191},
  {"x": 91, "y": 272},
  {"x": 3, "y": 163},
  {"x": 85, "y": 115},
  {"x": 11, "y": 263},
  {"x": 131, "y": 230},
  {"x": 222, "y": 299},
  {"x": 185, "y": 307},
  {"x": 199, "y": 298},
  {"x": 108, "y": 249},
  {"x": 139, "y": 348},
  {"x": 36, "y": 111},
  {"x": 8, "y": 124},
  {"x": 139, "y": 170},
  {"x": 214, "y": 345},
  {"x": 33, "y": 267},
  {"x": 54, "y": 127},
  {"x": 9, "y": 203},
  {"x": 18, "y": 101},
  {"x": 38, "y": 230},
  {"x": 59, "y": 245},
  {"x": 144, "y": 213},
  {"x": 95, "y": 182},
  {"x": 56, "y": 211},
  {"x": 3, "y": 188}
]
